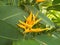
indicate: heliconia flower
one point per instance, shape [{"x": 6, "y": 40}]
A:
[
  {"x": 40, "y": 1},
  {"x": 31, "y": 20}
]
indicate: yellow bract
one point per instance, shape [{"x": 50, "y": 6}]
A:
[
  {"x": 40, "y": 1},
  {"x": 31, "y": 20}
]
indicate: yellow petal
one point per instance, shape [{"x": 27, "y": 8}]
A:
[
  {"x": 25, "y": 17},
  {"x": 37, "y": 21},
  {"x": 22, "y": 22},
  {"x": 33, "y": 30},
  {"x": 35, "y": 16},
  {"x": 29, "y": 19},
  {"x": 46, "y": 29},
  {"x": 25, "y": 24},
  {"x": 20, "y": 25},
  {"x": 27, "y": 31},
  {"x": 36, "y": 30}
]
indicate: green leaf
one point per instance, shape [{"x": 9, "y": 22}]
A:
[
  {"x": 12, "y": 14},
  {"x": 5, "y": 2},
  {"x": 46, "y": 20},
  {"x": 2, "y": 3},
  {"x": 55, "y": 2},
  {"x": 26, "y": 42},
  {"x": 55, "y": 7},
  {"x": 10, "y": 2},
  {"x": 8, "y": 31},
  {"x": 5, "y": 41},
  {"x": 54, "y": 39}
]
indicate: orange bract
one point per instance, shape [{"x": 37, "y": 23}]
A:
[{"x": 31, "y": 20}]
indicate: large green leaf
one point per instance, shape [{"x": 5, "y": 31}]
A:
[
  {"x": 43, "y": 39},
  {"x": 26, "y": 42},
  {"x": 8, "y": 31},
  {"x": 54, "y": 39},
  {"x": 5, "y": 41},
  {"x": 12, "y": 14}
]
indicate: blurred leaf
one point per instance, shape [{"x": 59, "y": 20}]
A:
[
  {"x": 10, "y": 2},
  {"x": 12, "y": 14},
  {"x": 46, "y": 20},
  {"x": 8, "y": 31},
  {"x": 55, "y": 7},
  {"x": 26, "y": 42},
  {"x": 43, "y": 39},
  {"x": 54, "y": 39},
  {"x": 56, "y": 2},
  {"x": 2, "y": 3},
  {"x": 5, "y": 1},
  {"x": 5, "y": 41}
]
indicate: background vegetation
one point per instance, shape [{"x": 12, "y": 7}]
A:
[{"x": 13, "y": 10}]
